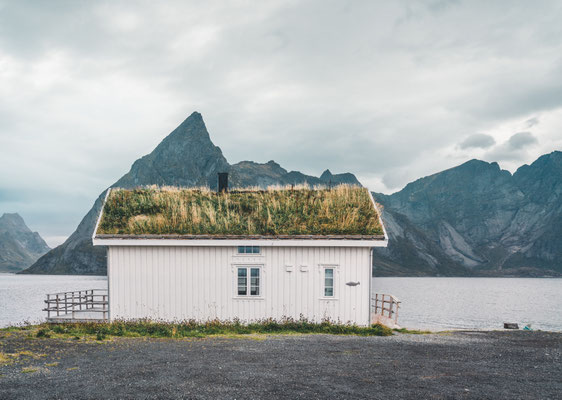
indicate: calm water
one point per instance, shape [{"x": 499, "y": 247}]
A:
[
  {"x": 427, "y": 303},
  {"x": 475, "y": 303},
  {"x": 22, "y": 296}
]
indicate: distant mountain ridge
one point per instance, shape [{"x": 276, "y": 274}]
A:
[
  {"x": 19, "y": 246},
  {"x": 471, "y": 220},
  {"x": 476, "y": 219},
  {"x": 186, "y": 157}
]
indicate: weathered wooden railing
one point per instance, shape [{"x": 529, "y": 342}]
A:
[
  {"x": 386, "y": 305},
  {"x": 65, "y": 305}
]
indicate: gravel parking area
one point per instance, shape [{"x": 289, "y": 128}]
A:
[{"x": 448, "y": 365}]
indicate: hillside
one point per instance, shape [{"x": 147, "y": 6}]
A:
[
  {"x": 476, "y": 219},
  {"x": 186, "y": 157},
  {"x": 19, "y": 246}
]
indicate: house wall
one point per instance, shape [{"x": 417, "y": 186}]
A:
[{"x": 179, "y": 283}]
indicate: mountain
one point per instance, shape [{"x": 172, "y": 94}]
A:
[
  {"x": 249, "y": 173},
  {"x": 476, "y": 219},
  {"x": 19, "y": 246},
  {"x": 186, "y": 157}
]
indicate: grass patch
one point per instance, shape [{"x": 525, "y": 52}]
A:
[
  {"x": 43, "y": 332},
  {"x": 29, "y": 370},
  {"x": 343, "y": 210},
  {"x": 194, "y": 329},
  {"x": 53, "y": 364},
  {"x": 5, "y": 359},
  {"x": 8, "y": 358},
  {"x": 412, "y": 331}
]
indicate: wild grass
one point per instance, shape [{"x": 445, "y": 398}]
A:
[
  {"x": 343, "y": 210},
  {"x": 5, "y": 359},
  {"x": 412, "y": 331},
  {"x": 189, "y": 329}
]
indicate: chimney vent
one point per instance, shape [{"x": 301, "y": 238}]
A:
[{"x": 223, "y": 182}]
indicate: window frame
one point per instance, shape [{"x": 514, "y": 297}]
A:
[
  {"x": 332, "y": 278},
  {"x": 335, "y": 280},
  {"x": 251, "y": 253},
  {"x": 248, "y": 295}
]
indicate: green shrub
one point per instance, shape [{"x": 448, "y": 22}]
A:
[{"x": 43, "y": 333}]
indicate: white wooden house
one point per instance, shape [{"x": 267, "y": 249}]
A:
[{"x": 181, "y": 263}]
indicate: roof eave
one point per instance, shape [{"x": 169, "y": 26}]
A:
[{"x": 238, "y": 241}]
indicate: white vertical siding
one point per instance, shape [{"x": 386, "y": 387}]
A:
[{"x": 180, "y": 283}]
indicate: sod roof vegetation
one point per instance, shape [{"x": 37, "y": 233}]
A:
[{"x": 342, "y": 211}]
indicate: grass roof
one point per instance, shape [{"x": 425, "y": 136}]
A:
[{"x": 343, "y": 210}]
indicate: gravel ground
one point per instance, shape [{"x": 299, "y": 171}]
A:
[{"x": 494, "y": 365}]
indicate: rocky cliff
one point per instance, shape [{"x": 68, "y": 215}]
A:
[
  {"x": 476, "y": 219},
  {"x": 186, "y": 157},
  {"x": 19, "y": 246}
]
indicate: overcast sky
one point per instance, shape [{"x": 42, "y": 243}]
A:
[{"x": 388, "y": 90}]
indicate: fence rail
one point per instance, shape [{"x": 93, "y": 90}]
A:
[
  {"x": 386, "y": 305},
  {"x": 65, "y": 305}
]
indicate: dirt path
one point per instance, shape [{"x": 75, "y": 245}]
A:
[{"x": 454, "y": 365}]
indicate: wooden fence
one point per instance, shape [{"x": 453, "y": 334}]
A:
[
  {"x": 386, "y": 305},
  {"x": 91, "y": 304}
]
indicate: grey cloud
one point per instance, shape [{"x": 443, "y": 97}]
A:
[
  {"x": 521, "y": 140},
  {"x": 532, "y": 122},
  {"x": 478, "y": 140},
  {"x": 514, "y": 149}
]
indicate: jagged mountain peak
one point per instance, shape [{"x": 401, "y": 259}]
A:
[
  {"x": 466, "y": 176},
  {"x": 186, "y": 157},
  {"x": 551, "y": 162},
  {"x": 19, "y": 246},
  {"x": 326, "y": 175},
  {"x": 12, "y": 218},
  {"x": 13, "y": 222},
  {"x": 192, "y": 126}
]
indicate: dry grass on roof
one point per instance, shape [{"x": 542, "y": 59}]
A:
[{"x": 343, "y": 210}]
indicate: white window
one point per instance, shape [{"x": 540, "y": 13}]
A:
[
  {"x": 328, "y": 282},
  {"x": 248, "y": 249},
  {"x": 248, "y": 281}
]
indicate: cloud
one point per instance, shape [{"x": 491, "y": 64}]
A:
[
  {"x": 521, "y": 140},
  {"x": 532, "y": 122},
  {"x": 515, "y": 148},
  {"x": 478, "y": 140},
  {"x": 380, "y": 89}
]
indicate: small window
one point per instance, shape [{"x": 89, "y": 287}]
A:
[
  {"x": 328, "y": 282},
  {"x": 248, "y": 249},
  {"x": 254, "y": 286}
]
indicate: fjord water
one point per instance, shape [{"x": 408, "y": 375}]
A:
[
  {"x": 22, "y": 296},
  {"x": 475, "y": 303},
  {"x": 427, "y": 303}
]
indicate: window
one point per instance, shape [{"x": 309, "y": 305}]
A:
[
  {"x": 253, "y": 289},
  {"x": 248, "y": 249},
  {"x": 328, "y": 282}
]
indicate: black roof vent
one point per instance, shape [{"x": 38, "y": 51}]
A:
[{"x": 223, "y": 182}]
